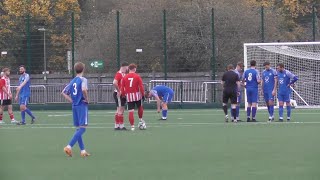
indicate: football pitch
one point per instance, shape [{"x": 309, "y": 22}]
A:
[{"x": 190, "y": 145}]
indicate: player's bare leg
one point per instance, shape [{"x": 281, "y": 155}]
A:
[
  {"x": 1, "y": 114},
  {"x": 11, "y": 115}
]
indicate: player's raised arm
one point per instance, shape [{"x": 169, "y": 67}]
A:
[{"x": 65, "y": 93}]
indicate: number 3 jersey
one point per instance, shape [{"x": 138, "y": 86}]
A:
[
  {"x": 251, "y": 77},
  {"x": 132, "y": 87},
  {"x": 74, "y": 89}
]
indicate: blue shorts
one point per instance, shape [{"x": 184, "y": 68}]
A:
[
  {"x": 167, "y": 97},
  {"x": 80, "y": 115},
  {"x": 252, "y": 95},
  {"x": 268, "y": 96},
  {"x": 23, "y": 100},
  {"x": 284, "y": 97}
]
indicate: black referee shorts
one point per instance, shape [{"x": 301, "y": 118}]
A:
[
  {"x": 5, "y": 102},
  {"x": 122, "y": 100},
  {"x": 229, "y": 94}
]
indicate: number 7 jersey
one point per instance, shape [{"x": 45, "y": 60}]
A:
[
  {"x": 132, "y": 87},
  {"x": 74, "y": 89}
]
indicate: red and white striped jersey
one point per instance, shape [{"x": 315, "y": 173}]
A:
[
  {"x": 118, "y": 76},
  {"x": 5, "y": 81},
  {"x": 132, "y": 87}
]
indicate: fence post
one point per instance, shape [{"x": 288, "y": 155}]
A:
[
  {"x": 72, "y": 42},
  {"x": 165, "y": 43},
  {"x": 213, "y": 58},
  {"x": 118, "y": 39},
  {"x": 313, "y": 23},
  {"x": 181, "y": 93},
  {"x": 262, "y": 24},
  {"x": 28, "y": 44}
]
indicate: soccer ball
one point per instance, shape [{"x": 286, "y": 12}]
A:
[{"x": 142, "y": 126}]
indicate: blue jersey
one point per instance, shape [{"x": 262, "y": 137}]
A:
[
  {"x": 268, "y": 78},
  {"x": 25, "y": 90},
  {"x": 284, "y": 78},
  {"x": 251, "y": 77},
  {"x": 74, "y": 89}
]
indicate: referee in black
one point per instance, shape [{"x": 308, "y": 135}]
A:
[{"x": 231, "y": 90}]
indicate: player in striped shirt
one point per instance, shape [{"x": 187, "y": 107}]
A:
[
  {"x": 23, "y": 92},
  {"x": 6, "y": 95},
  {"x": 120, "y": 101},
  {"x": 132, "y": 88}
]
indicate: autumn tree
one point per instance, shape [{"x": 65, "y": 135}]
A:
[{"x": 20, "y": 21}]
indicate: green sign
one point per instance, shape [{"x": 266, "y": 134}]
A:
[{"x": 97, "y": 64}]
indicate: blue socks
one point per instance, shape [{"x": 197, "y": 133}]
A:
[
  {"x": 30, "y": 113},
  {"x": 23, "y": 116},
  {"x": 164, "y": 113},
  {"x": 248, "y": 112},
  {"x": 80, "y": 142},
  {"x": 271, "y": 110},
  {"x": 281, "y": 112},
  {"x": 76, "y": 136},
  {"x": 288, "y": 112},
  {"x": 254, "y": 111}
]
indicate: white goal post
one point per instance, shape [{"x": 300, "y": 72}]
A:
[{"x": 301, "y": 58}]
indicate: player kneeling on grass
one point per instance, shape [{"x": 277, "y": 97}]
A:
[
  {"x": 231, "y": 90},
  {"x": 132, "y": 88},
  {"x": 163, "y": 95},
  {"x": 269, "y": 84},
  {"x": 78, "y": 90},
  {"x": 284, "y": 77}
]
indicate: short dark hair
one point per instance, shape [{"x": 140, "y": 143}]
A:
[
  {"x": 281, "y": 65},
  {"x": 240, "y": 64},
  {"x": 79, "y": 67},
  {"x": 266, "y": 63},
  {"x": 22, "y": 66},
  {"x": 5, "y": 69},
  {"x": 253, "y": 63},
  {"x": 230, "y": 66},
  {"x": 132, "y": 66},
  {"x": 124, "y": 64}
]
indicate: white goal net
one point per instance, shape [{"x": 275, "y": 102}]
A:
[{"x": 301, "y": 58}]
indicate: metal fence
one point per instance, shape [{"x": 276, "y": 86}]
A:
[{"x": 184, "y": 92}]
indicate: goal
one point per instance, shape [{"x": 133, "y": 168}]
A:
[{"x": 301, "y": 58}]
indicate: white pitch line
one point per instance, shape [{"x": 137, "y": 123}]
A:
[{"x": 158, "y": 125}]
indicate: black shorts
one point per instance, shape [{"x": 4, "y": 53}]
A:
[
  {"x": 5, "y": 102},
  {"x": 132, "y": 105},
  {"x": 229, "y": 94},
  {"x": 122, "y": 99}
]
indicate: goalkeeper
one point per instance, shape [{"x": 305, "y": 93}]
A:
[{"x": 285, "y": 80}]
